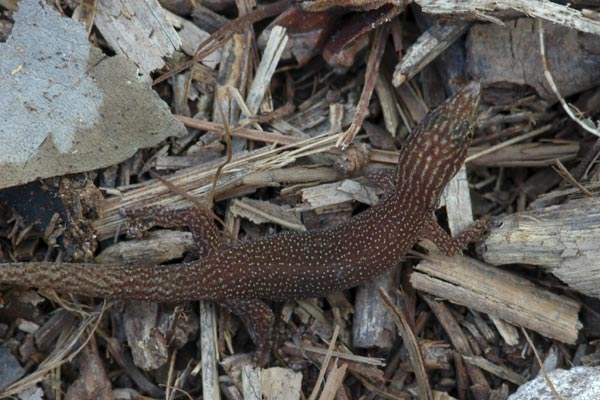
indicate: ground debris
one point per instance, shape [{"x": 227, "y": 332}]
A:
[{"x": 256, "y": 111}]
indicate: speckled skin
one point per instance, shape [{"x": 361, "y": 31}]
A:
[{"x": 293, "y": 265}]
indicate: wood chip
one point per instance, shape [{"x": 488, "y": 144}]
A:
[
  {"x": 138, "y": 29},
  {"x": 561, "y": 239},
  {"x": 508, "y": 296}
]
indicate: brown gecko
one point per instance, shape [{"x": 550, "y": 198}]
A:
[{"x": 293, "y": 265}]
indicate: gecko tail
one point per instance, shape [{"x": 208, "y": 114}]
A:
[{"x": 151, "y": 283}]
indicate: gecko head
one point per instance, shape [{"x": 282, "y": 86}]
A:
[
  {"x": 437, "y": 147},
  {"x": 452, "y": 124},
  {"x": 462, "y": 109}
]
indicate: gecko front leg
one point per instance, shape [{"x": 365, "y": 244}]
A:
[
  {"x": 453, "y": 245},
  {"x": 200, "y": 223}
]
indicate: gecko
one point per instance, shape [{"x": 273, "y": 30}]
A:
[{"x": 293, "y": 265}]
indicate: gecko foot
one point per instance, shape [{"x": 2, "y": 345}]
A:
[
  {"x": 198, "y": 221},
  {"x": 475, "y": 232},
  {"x": 451, "y": 246}
]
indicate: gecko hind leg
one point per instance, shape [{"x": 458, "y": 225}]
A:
[
  {"x": 198, "y": 221},
  {"x": 259, "y": 319}
]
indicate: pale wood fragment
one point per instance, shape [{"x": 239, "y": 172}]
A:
[
  {"x": 335, "y": 378},
  {"x": 486, "y": 331},
  {"x": 281, "y": 384},
  {"x": 261, "y": 212},
  {"x": 498, "y": 370},
  {"x": 509, "y": 333},
  {"x": 299, "y": 174},
  {"x": 429, "y": 45},
  {"x": 271, "y": 56},
  {"x": 436, "y": 355},
  {"x": 508, "y": 296},
  {"x": 375, "y": 155},
  {"x": 371, "y": 361},
  {"x": 137, "y": 29},
  {"x": 325, "y": 364},
  {"x": 329, "y": 195},
  {"x": 197, "y": 181},
  {"x": 191, "y": 36},
  {"x": 534, "y": 155},
  {"x": 457, "y": 199},
  {"x": 208, "y": 340},
  {"x": 554, "y": 197},
  {"x": 157, "y": 247},
  {"x": 373, "y": 325},
  {"x": 561, "y": 239},
  {"x": 544, "y": 9},
  {"x": 251, "y": 383}
]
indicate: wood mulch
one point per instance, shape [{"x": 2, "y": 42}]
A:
[{"x": 280, "y": 131}]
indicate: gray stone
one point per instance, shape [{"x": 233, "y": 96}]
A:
[
  {"x": 10, "y": 369},
  {"x": 579, "y": 383},
  {"x": 66, "y": 107}
]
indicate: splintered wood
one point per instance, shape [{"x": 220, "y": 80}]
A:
[
  {"x": 145, "y": 39},
  {"x": 483, "y": 9},
  {"x": 561, "y": 239},
  {"x": 500, "y": 293}
]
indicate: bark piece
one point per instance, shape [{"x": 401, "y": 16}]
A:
[
  {"x": 493, "y": 291},
  {"x": 561, "y": 239},
  {"x": 149, "y": 347},
  {"x": 412, "y": 345},
  {"x": 60, "y": 321},
  {"x": 209, "y": 20},
  {"x": 388, "y": 102},
  {"x": 498, "y": 370},
  {"x": 93, "y": 383},
  {"x": 509, "y": 55},
  {"x": 525, "y": 155},
  {"x": 459, "y": 341}
]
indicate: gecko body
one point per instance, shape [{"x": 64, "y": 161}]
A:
[{"x": 294, "y": 265}]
